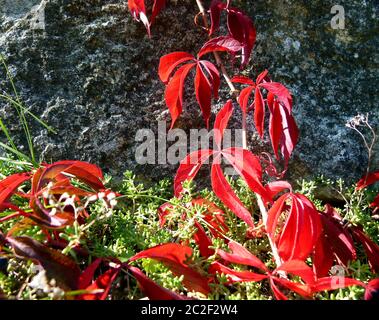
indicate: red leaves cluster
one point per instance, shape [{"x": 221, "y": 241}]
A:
[
  {"x": 207, "y": 77},
  {"x": 51, "y": 182},
  {"x": 205, "y": 86},
  {"x": 239, "y": 25},
  {"x": 173, "y": 256},
  {"x": 310, "y": 283},
  {"x": 282, "y": 126},
  {"x": 138, "y": 10},
  {"x": 243, "y": 161}
]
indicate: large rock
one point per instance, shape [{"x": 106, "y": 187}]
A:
[{"x": 91, "y": 73}]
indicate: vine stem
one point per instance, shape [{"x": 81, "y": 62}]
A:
[{"x": 234, "y": 92}]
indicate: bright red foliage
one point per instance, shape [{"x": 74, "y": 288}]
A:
[
  {"x": 282, "y": 126},
  {"x": 310, "y": 283},
  {"x": 138, "y": 10},
  {"x": 367, "y": 180},
  {"x": 240, "y": 27},
  {"x": 174, "y": 256},
  {"x": 205, "y": 86},
  {"x": 243, "y": 161},
  {"x": 334, "y": 244},
  {"x": 299, "y": 229}
]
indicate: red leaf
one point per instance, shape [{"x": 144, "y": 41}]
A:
[
  {"x": 236, "y": 276},
  {"x": 152, "y": 289},
  {"x": 281, "y": 92},
  {"x": 87, "y": 275},
  {"x": 174, "y": 256},
  {"x": 243, "y": 80},
  {"x": 273, "y": 188},
  {"x": 163, "y": 211},
  {"x": 240, "y": 255},
  {"x": 243, "y": 98},
  {"x": 372, "y": 290},
  {"x": 368, "y": 180},
  {"x": 136, "y": 7},
  {"x": 277, "y": 293},
  {"x": 10, "y": 184},
  {"x": 169, "y": 62},
  {"x": 189, "y": 167},
  {"x": 298, "y": 268},
  {"x": 221, "y": 122},
  {"x": 248, "y": 167},
  {"x": 275, "y": 128},
  {"x": 157, "y": 7},
  {"x": 334, "y": 242},
  {"x": 84, "y": 171},
  {"x": 58, "y": 266},
  {"x": 262, "y": 76},
  {"x": 138, "y": 11},
  {"x": 302, "y": 289},
  {"x": 215, "y": 12},
  {"x": 203, "y": 93},
  {"x": 301, "y": 229},
  {"x": 334, "y": 283},
  {"x": 259, "y": 112},
  {"x": 323, "y": 257},
  {"x": 103, "y": 284},
  {"x": 174, "y": 92},
  {"x": 242, "y": 29},
  {"x": 224, "y": 43},
  {"x": 214, "y": 75},
  {"x": 290, "y": 134},
  {"x": 203, "y": 241},
  {"x": 226, "y": 194},
  {"x": 370, "y": 247},
  {"x": 214, "y": 216}
]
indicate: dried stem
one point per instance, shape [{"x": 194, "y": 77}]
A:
[{"x": 234, "y": 92}]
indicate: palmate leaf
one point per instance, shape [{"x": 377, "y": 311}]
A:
[
  {"x": 283, "y": 130},
  {"x": 56, "y": 180},
  {"x": 243, "y": 161},
  {"x": 206, "y": 83}
]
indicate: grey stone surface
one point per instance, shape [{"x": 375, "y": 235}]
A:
[{"x": 92, "y": 75}]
